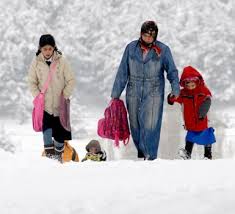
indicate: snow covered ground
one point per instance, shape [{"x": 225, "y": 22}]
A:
[
  {"x": 43, "y": 186},
  {"x": 93, "y": 35},
  {"x": 33, "y": 184}
]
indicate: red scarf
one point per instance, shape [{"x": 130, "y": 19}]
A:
[{"x": 145, "y": 49}]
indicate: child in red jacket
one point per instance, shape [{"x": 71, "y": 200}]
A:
[{"x": 195, "y": 99}]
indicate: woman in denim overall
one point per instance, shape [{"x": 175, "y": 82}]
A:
[{"x": 142, "y": 69}]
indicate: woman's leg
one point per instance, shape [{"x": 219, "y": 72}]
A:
[
  {"x": 60, "y": 135},
  {"x": 48, "y": 143},
  {"x": 59, "y": 149},
  {"x": 47, "y": 135}
]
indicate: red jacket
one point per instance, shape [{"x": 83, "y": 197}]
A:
[{"x": 192, "y": 99}]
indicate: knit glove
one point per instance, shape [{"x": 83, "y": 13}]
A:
[{"x": 170, "y": 99}]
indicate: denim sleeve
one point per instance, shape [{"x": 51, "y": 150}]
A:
[
  {"x": 121, "y": 76},
  {"x": 172, "y": 72}
]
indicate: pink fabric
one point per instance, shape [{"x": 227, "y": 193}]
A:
[
  {"x": 39, "y": 103},
  {"x": 65, "y": 113},
  {"x": 114, "y": 125},
  {"x": 37, "y": 114},
  {"x": 101, "y": 128}
]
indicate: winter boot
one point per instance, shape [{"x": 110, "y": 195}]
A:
[
  {"x": 189, "y": 148},
  {"x": 187, "y": 151},
  {"x": 49, "y": 151},
  {"x": 208, "y": 154},
  {"x": 58, "y": 156},
  {"x": 59, "y": 149},
  {"x": 140, "y": 154},
  {"x": 183, "y": 154}
]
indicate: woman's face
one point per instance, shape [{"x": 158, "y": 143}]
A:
[
  {"x": 47, "y": 51},
  {"x": 147, "y": 38}
]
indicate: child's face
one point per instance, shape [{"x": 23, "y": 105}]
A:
[
  {"x": 92, "y": 150},
  {"x": 190, "y": 85},
  {"x": 47, "y": 51}
]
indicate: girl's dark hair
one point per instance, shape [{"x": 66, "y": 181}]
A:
[{"x": 47, "y": 39}]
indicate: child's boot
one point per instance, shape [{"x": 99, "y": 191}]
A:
[
  {"x": 208, "y": 154},
  {"x": 187, "y": 151},
  {"x": 189, "y": 148}
]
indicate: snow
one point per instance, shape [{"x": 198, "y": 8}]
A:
[
  {"x": 44, "y": 186},
  {"x": 118, "y": 187},
  {"x": 34, "y": 184},
  {"x": 93, "y": 36}
]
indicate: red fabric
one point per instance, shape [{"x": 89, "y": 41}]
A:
[
  {"x": 157, "y": 49},
  {"x": 192, "y": 99},
  {"x": 114, "y": 125},
  {"x": 146, "y": 49}
]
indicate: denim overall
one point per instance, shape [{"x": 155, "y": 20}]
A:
[{"x": 145, "y": 93}]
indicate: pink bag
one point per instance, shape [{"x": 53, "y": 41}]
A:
[
  {"x": 65, "y": 113},
  {"x": 38, "y": 110},
  {"x": 114, "y": 125},
  {"x": 39, "y": 103}
]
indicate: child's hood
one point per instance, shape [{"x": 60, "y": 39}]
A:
[
  {"x": 188, "y": 73},
  {"x": 95, "y": 144}
]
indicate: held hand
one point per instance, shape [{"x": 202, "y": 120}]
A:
[
  {"x": 174, "y": 96},
  {"x": 170, "y": 99}
]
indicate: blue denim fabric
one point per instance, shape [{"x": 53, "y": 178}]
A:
[
  {"x": 47, "y": 137},
  {"x": 145, "y": 92},
  {"x": 59, "y": 146}
]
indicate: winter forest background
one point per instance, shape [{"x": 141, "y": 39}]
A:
[{"x": 93, "y": 35}]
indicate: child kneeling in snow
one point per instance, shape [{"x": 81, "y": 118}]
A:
[
  {"x": 195, "y": 99},
  {"x": 94, "y": 152}
]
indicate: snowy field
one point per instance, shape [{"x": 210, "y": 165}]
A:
[
  {"x": 37, "y": 185},
  {"x": 93, "y": 36},
  {"x": 34, "y": 184}
]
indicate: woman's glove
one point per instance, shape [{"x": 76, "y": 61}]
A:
[{"x": 170, "y": 99}]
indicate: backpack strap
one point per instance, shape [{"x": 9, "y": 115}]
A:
[{"x": 49, "y": 77}]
